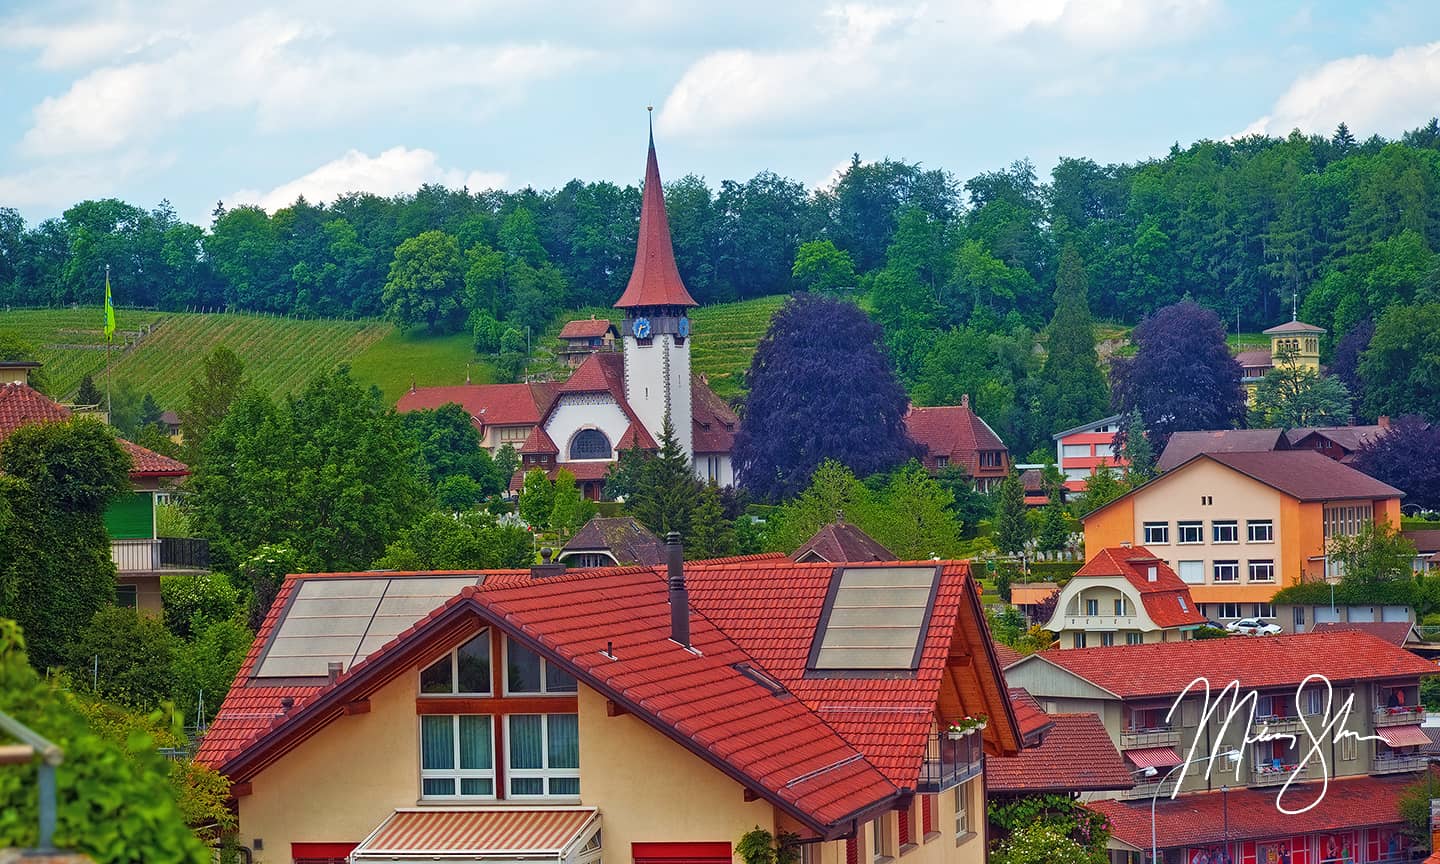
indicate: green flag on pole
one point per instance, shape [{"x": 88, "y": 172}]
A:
[{"x": 109, "y": 309}]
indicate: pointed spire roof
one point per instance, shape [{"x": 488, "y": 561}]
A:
[{"x": 655, "y": 281}]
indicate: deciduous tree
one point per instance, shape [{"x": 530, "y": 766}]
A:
[
  {"x": 822, "y": 268},
  {"x": 426, "y": 281},
  {"x": 1401, "y": 368},
  {"x": 1408, "y": 458},
  {"x": 1292, "y": 395},
  {"x": 222, "y": 379}
]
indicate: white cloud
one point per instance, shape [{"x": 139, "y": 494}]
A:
[
  {"x": 289, "y": 71},
  {"x": 52, "y": 186},
  {"x": 1384, "y": 95},
  {"x": 393, "y": 172}
]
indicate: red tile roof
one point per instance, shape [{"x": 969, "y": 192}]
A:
[
  {"x": 595, "y": 328},
  {"x": 1076, "y": 755},
  {"x": 635, "y": 435},
  {"x": 21, "y": 405},
  {"x": 538, "y": 441},
  {"x": 1167, "y": 668},
  {"x": 655, "y": 280},
  {"x": 713, "y": 421},
  {"x": 1033, "y": 720},
  {"x": 1394, "y": 632},
  {"x": 602, "y": 372},
  {"x": 1348, "y": 438},
  {"x": 1167, "y": 600},
  {"x": 1425, "y": 539},
  {"x": 840, "y": 541},
  {"x": 1255, "y": 359},
  {"x": 1200, "y": 818},
  {"x": 954, "y": 432},
  {"x": 622, "y": 536},
  {"x": 1294, "y": 325},
  {"x": 148, "y": 463},
  {"x": 1007, "y": 656},
  {"x": 487, "y": 404},
  {"x": 826, "y": 750}
]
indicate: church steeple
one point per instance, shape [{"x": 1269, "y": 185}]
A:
[{"x": 655, "y": 281}]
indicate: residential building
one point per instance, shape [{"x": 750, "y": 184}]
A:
[
  {"x": 139, "y": 553},
  {"x": 1080, "y": 452},
  {"x": 16, "y": 371},
  {"x": 1237, "y": 527},
  {"x": 955, "y": 436},
  {"x": 1037, "y": 493},
  {"x": 612, "y": 401},
  {"x": 1184, "y": 446},
  {"x": 839, "y": 542},
  {"x": 1073, "y": 755},
  {"x": 1294, "y": 335},
  {"x": 1427, "y": 548},
  {"x": 1033, "y": 599},
  {"x": 1398, "y": 633},
  {"x": 610, "y": 541},
  {"x": 1146, "y": 697},
  {"x": 645, "y": 714},
  {"x": 1310, "y": 617},
  {"x": 581, "y": 338},
  {"x": 1124, "y": 595},
  {"x": 1337, "y": 442}
]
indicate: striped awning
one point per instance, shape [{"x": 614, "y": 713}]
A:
[
  {"x": 1403, "y": 736},
  {"x": 491, "y": 834},
  {"x": 1154, "y": 757}
]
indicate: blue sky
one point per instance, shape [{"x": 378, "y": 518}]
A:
[{"x": 197, "y": 102}]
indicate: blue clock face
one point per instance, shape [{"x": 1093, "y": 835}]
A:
[
  {"x": 641, "y": 328},
  {"x": 684, "y": 328}
]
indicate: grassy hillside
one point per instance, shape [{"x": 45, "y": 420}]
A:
[{"x": 402, "y": 357}]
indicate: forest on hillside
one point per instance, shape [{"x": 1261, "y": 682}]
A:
[{"x": 960, "y": 274}]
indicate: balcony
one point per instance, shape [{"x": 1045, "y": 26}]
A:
[
  {"x": 1410, "y": 715},
  {"x": 1145, "y": 790},
  {"x": 1160, "y": 736},
  {"x": 1271, "y": 775},
  {"x": 135, "y": 556},
  {"x": 1101, "y": 622},
  {"x": 166, "y": 553},
  {"x": 1289, "y": 724},
  {"x": 950, "y": 761},
  {"x": 1400, "y": 764}
]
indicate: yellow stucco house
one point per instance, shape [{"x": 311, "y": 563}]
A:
[
  {"x": 646, "y": 714},
  {"x": 1237, "y": 527},
  {"x": 1293, "y": 336}
]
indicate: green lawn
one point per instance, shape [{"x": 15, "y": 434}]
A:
[{"x": 401, "y": 357}]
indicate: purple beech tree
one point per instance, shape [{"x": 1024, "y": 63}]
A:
[
  {"x": 821, "y": 387},
  {"x": 1408, "y": 458}
]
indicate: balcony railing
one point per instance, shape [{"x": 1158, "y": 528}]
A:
[
  {"x": 1101, "y": 622},
  {"x": 1145, "y": 790},
  {"x": 133, "y": 556},
  {"x": 1406, "y": 716},
  {"x": 1269, "y": 774},
  {"x": 189, "y": 553},
  {"x": 1160, "y": 736},
  {"x": 1399, "y": 764},
  {"x": 1287, "y": 724},
  {"x": 950, "y": 761}
]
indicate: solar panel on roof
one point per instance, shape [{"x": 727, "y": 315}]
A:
[
  {"x": 876, "y": 620},
  {"x": 345, "y": 620}
]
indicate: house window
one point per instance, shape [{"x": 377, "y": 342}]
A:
[
  {"x": 1190, "y": 532},
  {"x": 1156, "y": 533},
  {"x": 457, "y": 758},
  {"x": 1107, "y": 640},
  {"x": 942, "y": 461},
  {"x": 1076, "y": 451},
  {"x": 881, "y": 846},
  {"x": 1227, "y": 571},
  {"x": 1264, "y": 610},
  {"x": 1262, "y": 571},
  {"x": 1077, "y": 639},
  {"x": 1299, "y": 616},
  {"x": 962, "y": 810},
  {"x": 528, "y": 673},
  {"x": 1228, "y": 610},
  {"x": 904, "y": 826},
  {"x": 514, "y": 434},
  {"x": 1225, "y": 532},
  {"x": 992, "y": 458},
  {"x": 1104, "y": 450},
  {"x": 465, "y": 670},
  {"x": 1120, "y": 606},
  {"x": 1191, "y": 572},
  {"x": 590, "y": 444},
  {"x": 1346, "y": 521},
  {"x": 1092, "y": 607},
  {"x": 543, "y": 755},
  {"x": 928, "y": 817},
  {"x": 1260, "y": 531},
  {"x": 127, "y": 596},
  {"x": 1134, "y": 638}
]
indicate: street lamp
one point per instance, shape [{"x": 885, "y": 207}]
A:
[
  {"x": 1232, "y": 756},
  {"x": 1225, "y": 807}
]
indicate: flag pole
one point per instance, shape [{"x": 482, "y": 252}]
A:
[{"x": 109, "y": 340}]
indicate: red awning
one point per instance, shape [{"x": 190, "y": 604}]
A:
[
  {"x": 1403, "y": 736},
  {"x": 481, "y": 834},
  {"x": 1154, "y": 757}
]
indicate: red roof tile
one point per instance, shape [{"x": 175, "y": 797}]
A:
[
  {"x": 1167, "y": 599},
  {"x": 1200, "y": 818},
  {"x": 1306, "y": 475},
  {"x": 1348, "y": 438},
  {"x": 1255, "y": 359},
  {"x": 1394, "y": 632},
  {"x": 538, "y": 441},
  {"x": 954, "y": 432},
  {"x": 21, "y": 405},
  {"x": 595, "y": 328},
  {"x": 635, "y": 435},
  {"x": 487, "y": 404},
  {"x": 840, "y": 541},
  {"x": 1007, "y": 656},
  {"x": 713, "y": 421},
  {"x": 148, "y": 463},
  {"x": 1032, "y": 718},
  {"x": 601, "y": 372},
  {"x": 655, "y": 280},
  {"x": 1076, "y": 755},
  {"x": 1167, "y": 668}
]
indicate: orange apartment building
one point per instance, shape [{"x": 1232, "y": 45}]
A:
[
  {"x": 1237, "y": 527},
  {"x": 1080, "y": 452},
  {"x": 646, "y": 714}
]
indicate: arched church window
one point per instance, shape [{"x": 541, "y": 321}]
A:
[{"x": 590, "y": 444}]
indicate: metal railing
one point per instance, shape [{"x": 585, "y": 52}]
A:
[
  {"x": 1271, "y": 775},
  {"x": 1158, "y": 736},
  {"x": 950, "y": 761},
  {"x": 191, "y": 553},
  {"x": 32, "y": 745},
  {"x": 1406, "y": 716},
  {"x": 1399, "y": 764},
  {"x": 135, "y": 556}
]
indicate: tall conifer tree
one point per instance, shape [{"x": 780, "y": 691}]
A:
[{"x": 1072, "y": 387}]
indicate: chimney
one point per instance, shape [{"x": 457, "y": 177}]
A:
[
  {"x": 545, "y": 567},
  {"x": 286, "y": 703},
  {"x": 965, "y": 400},
  {"x": 1383, "y": 421},
  {"x": 679, "y": 597},
  {"x": 333, "y": 670}
]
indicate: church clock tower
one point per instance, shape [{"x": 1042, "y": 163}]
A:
[{"x": 657, "y": 322}]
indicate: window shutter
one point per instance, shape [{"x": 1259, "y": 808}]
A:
[
  {"x": 852, "y": 851},
  {"x": 130, "y": 517},
  {"x": 927, "y": 814},
  {"x": 905, "y": 827}
]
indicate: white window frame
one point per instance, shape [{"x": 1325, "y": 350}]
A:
[
  {"x": 1107, "y": 639},
  {"x": 546, "y": 773},
  {"x": 1092, "y": 608},
  {"x": 1264, "y": 611},
  {"x": 1265, "y": 565},
  {"x": 1230, "y": 526},
  {"x": 456, "y": 773},
  {"x": 1253, "y": 526},
  {"x": 544, "y": 675},
  {"x": 1134, "y": 638},
  {"x": 962, "y": 811},
  {"x": 1197, "y": 526},
  {"x": 1077, "y": 639},
  {"x": 1228, "y": 564},
  {"x": 1229, "y": 607},
  {"x": 1160, "y": 528},
  {"x": 454, "y": 658},
  {"x": 1197, "y": 578}
]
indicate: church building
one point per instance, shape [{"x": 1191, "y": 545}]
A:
[{"x": 613, "y": 400}]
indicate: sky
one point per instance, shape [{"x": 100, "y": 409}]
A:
[{"x": 198, "y": 102}]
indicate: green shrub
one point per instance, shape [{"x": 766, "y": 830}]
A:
[
  {"x": 195, "y": 600},
  {"x": 171, "y": 520},
  {"x": 125, "y": 656}
]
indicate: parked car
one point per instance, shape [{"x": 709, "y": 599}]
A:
[{"x": 1253, "y": 627}]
